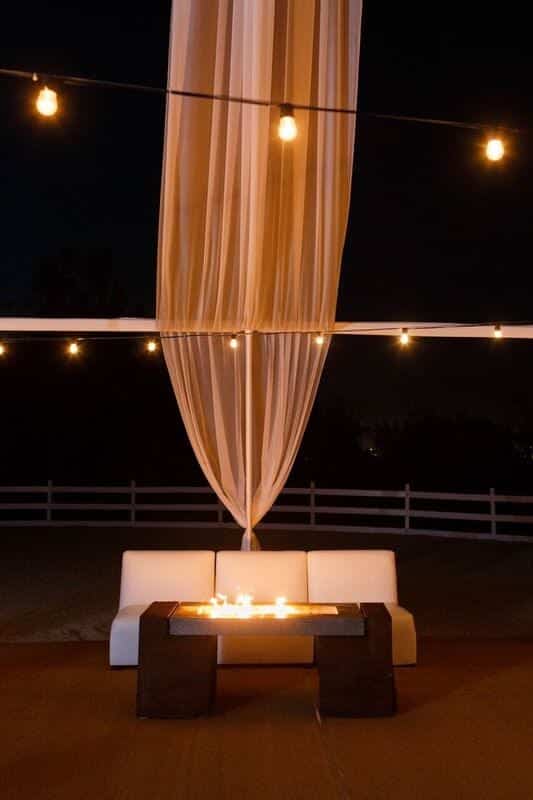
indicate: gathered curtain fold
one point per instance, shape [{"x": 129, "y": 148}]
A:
[
  {"x": 252, "y": 229},
  {"x": 209, "y": 379}
]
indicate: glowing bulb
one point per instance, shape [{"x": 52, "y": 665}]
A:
[
  {"x": 498, "y": 333},
  {"x": 234, "y": 342},
  {"x": 319, "y": 338},
  {"x": 46, "y": 102},
  {"x": 287, "y": 129},
  {"x": 494, "y": 150},
  {"x": 151, "y": 346},
  {"x": 404, "y": 337},
  {"x": 73, "y": 349},
  {"x": 3, "y": 349}
]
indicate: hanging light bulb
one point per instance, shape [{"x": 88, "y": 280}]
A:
[
  {"x": 498, "y": 333},
  {"x": 287, "y": 129},
  {"x": 404, "y": 337},
  {"x": 73, "y": 349},
  {"x": 319, "y": 339},
  {"x": 234, "y": 342},
  {"x": 494, "y": 150},
  {"x": 3, "y": 349},
  {"x": 151, "y": 346},
  {"x": 46, "y": 102}
]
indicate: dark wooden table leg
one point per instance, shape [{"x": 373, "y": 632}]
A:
[
  {"x": 355, "y": 672},
  {"x": 177, "y": 674}
]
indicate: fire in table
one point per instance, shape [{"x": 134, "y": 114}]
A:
[
  {"x": 243, "y": 607},
  {"x": 178, "y": 652}
]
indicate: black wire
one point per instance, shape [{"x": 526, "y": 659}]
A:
[
  {"x": 79, "y": 81},
  {"x": 73, "y": 80}
]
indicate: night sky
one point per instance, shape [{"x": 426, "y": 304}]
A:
[{"x": 435, "y": 232}]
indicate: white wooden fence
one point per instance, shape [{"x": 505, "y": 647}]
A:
[{"x": 490, "y": 516}]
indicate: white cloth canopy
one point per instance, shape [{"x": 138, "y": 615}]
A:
[{"x": 252, "y": 229}]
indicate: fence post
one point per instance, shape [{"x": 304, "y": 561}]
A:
[
  {"x": 492, "y": 513},
  {"x": 312, "y": 513},
  {"x": 49, "y": 495},
  {"x": 133, "y": 500},
  {"x": 407, "y": 508}
]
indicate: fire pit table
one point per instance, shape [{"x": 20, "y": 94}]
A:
[{"x": 178, "y": 655}]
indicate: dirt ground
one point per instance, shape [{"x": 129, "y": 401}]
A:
[{"x": 62, "y": 584}]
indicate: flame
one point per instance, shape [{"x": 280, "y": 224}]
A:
[
  {"x": 281, "y": 607},
  {"x": 244, "y": 608}
]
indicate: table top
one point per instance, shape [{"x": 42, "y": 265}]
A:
[{"x": 313, "y": 619}]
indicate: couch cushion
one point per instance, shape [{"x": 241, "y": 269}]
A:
[
  {"x": 124, "y": 638},
  {"x": 403, "y": 636},
  {"x": 263, "y": 574},
  {"x": 359, "y": 576},
  {"x": 352, "y": 576},
  {"x": 265, "y": 650},
  {"x": 149, "y": 575}
]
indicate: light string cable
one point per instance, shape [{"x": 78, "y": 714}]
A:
[
  {"x": 42, "y": 78},
  {"x": 391, "y": 328},
  {"x": 73, "y": 80}
]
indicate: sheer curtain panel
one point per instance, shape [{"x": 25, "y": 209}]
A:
[{"x": 252, "y": 228}]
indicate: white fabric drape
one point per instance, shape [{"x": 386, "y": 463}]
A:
[
  {"x": 208, "y": 378},
  {"x": 252, "y": 229}
]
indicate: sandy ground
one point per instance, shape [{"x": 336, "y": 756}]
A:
[{"x": 62, "y": 584}]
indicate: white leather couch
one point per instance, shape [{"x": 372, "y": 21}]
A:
[
  {"x": 320, "y": 576},
  {"x": 363, "y": 576},
  {"x": 265, "y": 574},
  {"x": 149, "y": 575}
]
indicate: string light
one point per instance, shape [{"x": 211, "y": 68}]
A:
[
  {"x": 74, "y": 347},
  {"x": 287, "y": 129},
  {"x": 46, "y": 102},
  {"x": 76, "y": 80},
  {"x": 404, "y": 337},
  {"x": 47, "y": 105},
  {"x": 494, "y": 150}
]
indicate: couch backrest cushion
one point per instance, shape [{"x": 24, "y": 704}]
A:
[
  {"x": 263, "y": 574},
  {"x": 352, "y": 576},
  {"x": 149, "y": 575}
]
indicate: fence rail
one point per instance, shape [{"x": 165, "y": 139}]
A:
[{"x": 489, "y": 516}]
